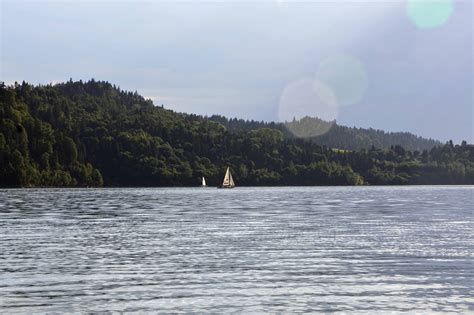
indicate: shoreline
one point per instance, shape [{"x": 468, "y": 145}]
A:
[{"x": 237, "y": 187}]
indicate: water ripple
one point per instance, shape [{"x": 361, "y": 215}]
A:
[{"x": 349, "y": 249}]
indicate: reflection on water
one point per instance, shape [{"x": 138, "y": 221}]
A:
[{"x": 247, "y": 249}]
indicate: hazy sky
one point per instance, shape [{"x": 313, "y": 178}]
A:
[{"x": 392, "y": 65}]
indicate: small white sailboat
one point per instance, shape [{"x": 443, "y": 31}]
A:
[
  {"x": 228, "y": 180},
  {"x": 203, "y": 182}
]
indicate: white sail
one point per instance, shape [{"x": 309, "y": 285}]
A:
[
  {"x": 228, "y": 180},
  {"x": 203, "y": 181},
  {"x": 231, "y": 180}
]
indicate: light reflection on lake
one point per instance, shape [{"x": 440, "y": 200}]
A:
[{"x": 362, "y": 249}]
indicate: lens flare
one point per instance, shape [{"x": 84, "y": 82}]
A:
[
  {"x": 345, "y": 76},
  {"x": 280, "y": 3},
  {"x": 308, "y": 107},
  {"x": 429, "y": 13}
]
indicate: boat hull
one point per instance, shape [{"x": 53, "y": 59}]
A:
[{"x": 226, "y": 187}]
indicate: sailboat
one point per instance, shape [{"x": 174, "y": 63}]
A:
[
  {"x": 203, "y": 182},
  {"x": 228, "y": 180}
]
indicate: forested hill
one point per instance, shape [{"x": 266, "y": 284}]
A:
[
  {"x": 93, "y": 134},
  {"x": 334, "y": 135}
]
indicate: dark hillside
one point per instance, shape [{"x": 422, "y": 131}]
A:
[
  {"x": 93, "y": 134},
  {"x": 337, "y": 136}
]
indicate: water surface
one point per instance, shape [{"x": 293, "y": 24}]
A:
[{"x": 361, "y": 249}]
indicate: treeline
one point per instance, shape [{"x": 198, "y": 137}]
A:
[
  {"x": 332, "y": 135},
  {"x": 93, "y": 133}
]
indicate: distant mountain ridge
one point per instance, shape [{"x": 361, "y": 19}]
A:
[
  {"x": 78, "y": 134},
  {"x": 337, "y": 136}
]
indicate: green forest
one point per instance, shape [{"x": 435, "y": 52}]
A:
[
  {"x": 334, "y": 135},
  {"x": 79, "y": 134}
]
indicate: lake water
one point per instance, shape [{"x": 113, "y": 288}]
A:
[{"x": 361, "y": 249}]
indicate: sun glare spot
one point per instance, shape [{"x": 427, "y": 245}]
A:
[
  {"x": 304, "y": 99},
  {"x": 345, "y": 76},
  {"x": 429, "y": 13},
  {"x": 279, "y": 3}
]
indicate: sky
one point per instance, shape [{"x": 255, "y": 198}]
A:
[{"x": 402, "y": 65}]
